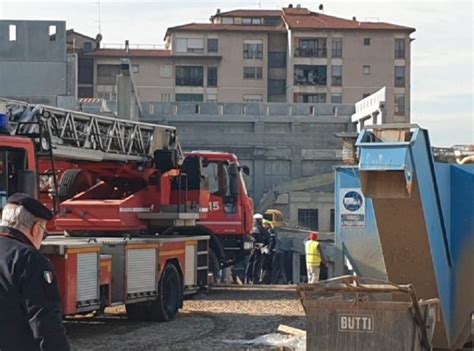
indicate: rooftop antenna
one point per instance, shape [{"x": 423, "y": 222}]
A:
[{"x": 98, "y": 6}]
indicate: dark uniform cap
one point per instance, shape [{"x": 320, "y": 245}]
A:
[{"x": 32, "y": 205}]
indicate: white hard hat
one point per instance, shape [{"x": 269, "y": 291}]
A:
[{"x": 257, "y": 216}]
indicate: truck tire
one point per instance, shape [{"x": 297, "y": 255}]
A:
[
  {"x": 73, "y": 182},
  {"x": 170, "y": 295}
]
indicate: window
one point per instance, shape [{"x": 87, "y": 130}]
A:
[
  {"x": 311, "y": 48},
  {"x": 310, "y": 75},
  {"x": 251, "y": 20},
  {"x": 308, "y": 218},
  {"x": 272, "y": 21},
  {"x": 253, "y": 98},
  {"x": 311, "y": 98},
  {"x": 336, "y": 75},
  {"x": 85, "y": 70},
  {"x": 12, "y": 32},
  {"x": 13, "y": 161},
  {"x": 218, "y": 176},
  {"x": 277, "y": 59},
  {"x": 189, "y": 97},
  {"x": 107, "y": 74},
  {"x": 336, "y": 47},
  {"x": 210, "y": 171},
  {"x": 212, "y": 45},
  {"x": 190, "y": 45},
  {"x": 212, "y": 76},
  {"x": 252, "y": 72},
  {"x": 52, "y": 33},
  {"x": 276, "y": 86},
  {"x": 253, "y": 50},
  {"x": 366, "y": 41},
  {"x": 189, "y": 76},
  {"x": 166, "y": 71},
  {"x": 400, "y": 104},
  {"x": 336, "y": 98},
  {"x": 400, "y": 48},
  {"x": 228, "y": 20},
  {"x": 399, "y": 76},
  {"x": 366, "y": 69},
  {"x": 135, "y": 68}
]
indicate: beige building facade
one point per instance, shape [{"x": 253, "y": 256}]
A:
[{"x": 291, "y": 55}]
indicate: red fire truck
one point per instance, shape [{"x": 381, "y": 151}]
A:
[{"x": 134, "y": 207}]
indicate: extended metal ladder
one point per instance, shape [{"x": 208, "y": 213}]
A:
[{"x": 83, "y": 136}]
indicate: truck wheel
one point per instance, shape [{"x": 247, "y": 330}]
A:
[
  {"x": 214, "y": 266},
  {"x": 170, "y": 295},
  {"x": 73, "y": 182},
  {"x": 138, "y": 312}
]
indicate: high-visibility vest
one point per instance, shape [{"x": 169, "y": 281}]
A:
[{"x": 313, "y": 258}]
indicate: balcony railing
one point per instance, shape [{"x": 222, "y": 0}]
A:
[{"x": 311, "y": 52}]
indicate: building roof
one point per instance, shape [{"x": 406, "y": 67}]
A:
[
  {"x": 303, "y": 19},
  {"x": 298, "y": 18},
  {"x": 219, "y": 27},
  {"x": 72, "y": 31},
  {"x": 250, "y": 13},
  {"x": 130, "y": 53}
]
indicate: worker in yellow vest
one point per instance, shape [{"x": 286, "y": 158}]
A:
[{"x": 314, "y": 257}]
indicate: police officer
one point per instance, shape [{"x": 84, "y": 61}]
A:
[
  {"x": 261, "y": 239},
  {"x": 30, "y": 315},
  {"x": 268, "y": 253}
]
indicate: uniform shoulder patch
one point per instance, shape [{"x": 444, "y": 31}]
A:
[{"x": 48, "y": 276}]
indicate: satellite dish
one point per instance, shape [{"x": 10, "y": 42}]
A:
[
  {"x": 321, "y": 7},
  {"x": 98, "y": 38}
]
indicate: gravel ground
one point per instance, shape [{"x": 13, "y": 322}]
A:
[{"x": 203, "y": 323}]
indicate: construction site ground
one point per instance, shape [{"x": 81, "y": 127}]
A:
[{"x": 206, "y": 320}]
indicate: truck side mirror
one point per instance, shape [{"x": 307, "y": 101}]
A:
[
  {"x": 245, "y": 169},
  {"x": 28, "y": 183},
  {"x": 234, "y": 179}
]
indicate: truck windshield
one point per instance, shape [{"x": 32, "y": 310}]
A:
[{"x": 12, "y": 162}]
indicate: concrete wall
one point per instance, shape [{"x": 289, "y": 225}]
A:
[
  {"x": 279, "y": 142},
  {"x": 33, "y": 64}
]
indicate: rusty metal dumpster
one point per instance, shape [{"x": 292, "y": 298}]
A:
[{"x": 353, "y": 313}]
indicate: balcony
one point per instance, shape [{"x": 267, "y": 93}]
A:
[
  {"x": 310, "y": 52},
  {"x": 310, "y": 75}
]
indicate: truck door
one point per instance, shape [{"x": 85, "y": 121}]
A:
[{"x": 223, "y": 206}]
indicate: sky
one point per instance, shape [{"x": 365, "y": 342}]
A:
[{"x": 442, "y": 50}]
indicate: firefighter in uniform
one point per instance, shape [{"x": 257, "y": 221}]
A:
[{"x": 30, "y": 307}]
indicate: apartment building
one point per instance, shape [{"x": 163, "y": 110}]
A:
[{"x": 289, "y": 55}]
